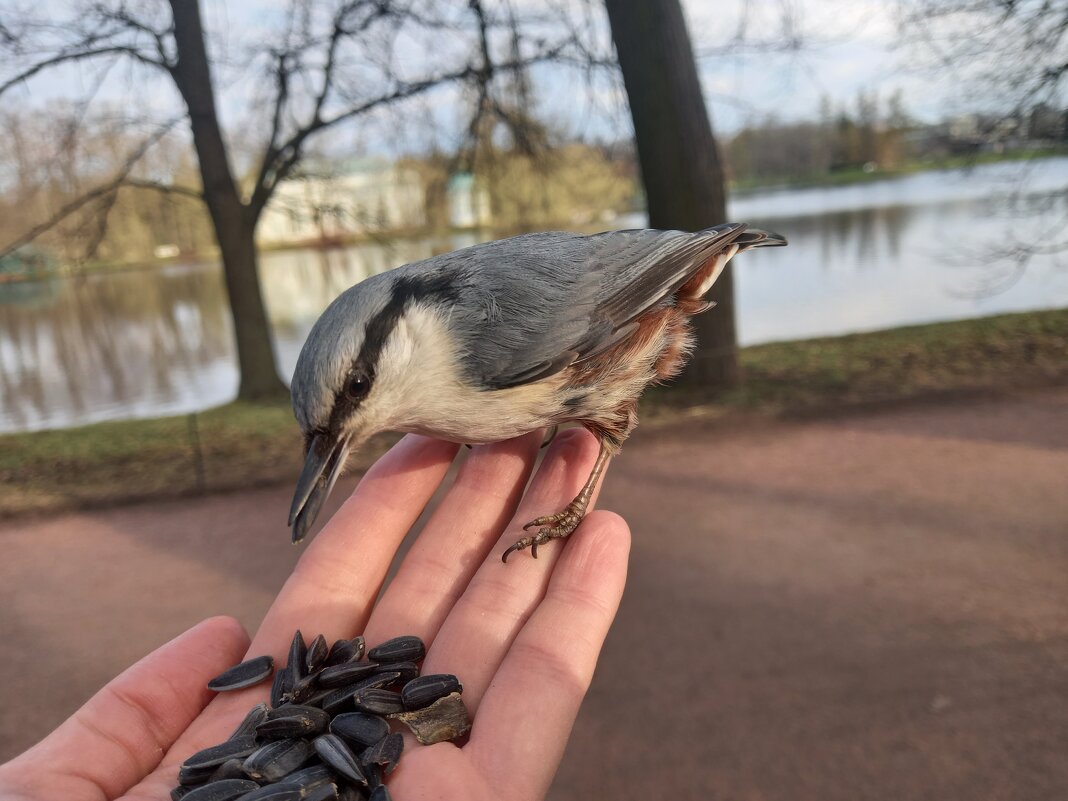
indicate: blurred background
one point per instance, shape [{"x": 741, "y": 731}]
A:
[{"x": 855, "y": 589}]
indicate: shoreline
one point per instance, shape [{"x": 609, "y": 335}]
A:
[{"x": 242, "y": 445}]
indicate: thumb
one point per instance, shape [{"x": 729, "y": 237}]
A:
[{"x": 123, "y": 731}]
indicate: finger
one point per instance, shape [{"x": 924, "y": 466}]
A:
[
  {"x": 478, "y": 632},
  {"x": 336, "y": 581},
  {"x": 121, "y": 734},
  {"x": 455, "y": 540},
  {"x": 549, "y": 667}
]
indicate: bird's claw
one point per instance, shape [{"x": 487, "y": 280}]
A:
[{"x": 555, "y": 526}]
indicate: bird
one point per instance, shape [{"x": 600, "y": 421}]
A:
[{"x": 496, "y": 340}]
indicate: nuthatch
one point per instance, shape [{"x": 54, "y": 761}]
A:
[{"x": 493, "y": 341}]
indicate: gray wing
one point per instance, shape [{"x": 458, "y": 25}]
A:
[{"x": 540, "y": 302}]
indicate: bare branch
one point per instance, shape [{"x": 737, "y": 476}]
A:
[
  {"x": 79, "y": 55},
  {"x": 100, "y": 192},
  {"x": 166, "y": 189}
]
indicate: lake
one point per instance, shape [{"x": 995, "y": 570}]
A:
[{"x": 928, "y": 247}]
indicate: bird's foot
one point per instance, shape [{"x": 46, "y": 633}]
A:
[{"x": 555, "y": 527}]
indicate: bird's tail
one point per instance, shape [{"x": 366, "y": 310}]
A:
[{"x": 756, "y": 238}]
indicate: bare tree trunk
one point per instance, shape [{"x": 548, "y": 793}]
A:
[
  {"x": 233, "y": 221},
  {"x": 681, "y": 168}
]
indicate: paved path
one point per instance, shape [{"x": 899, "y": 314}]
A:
[{"x": 871, "y": 607}]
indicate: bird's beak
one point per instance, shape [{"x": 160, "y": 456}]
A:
[{"x": 326, "y": 455}]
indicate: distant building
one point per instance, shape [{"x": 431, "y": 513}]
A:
[
  {"x": 468, "y": 204},
  {"x": 328, "y": 201}
]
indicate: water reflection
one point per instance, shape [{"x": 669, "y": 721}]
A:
[{"x": 151, "y": 342}]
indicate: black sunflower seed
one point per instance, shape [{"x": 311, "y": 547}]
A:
[
  {"x": 251, "y": 671},
  {"x": 328, "y": 792},
  {"x": 224, "y": 790},
  {"x": 344, "y": 651},
  {"x": 230, "y": 769},
  {"x": 279, "y": 687},
  {"x": 191, "y": 777},
  {"x": 273, "y": 792},
  {"x": 399, "y": 649},
  {"x": 378, "y": 702},
  {"x": 317, "y": 653},
  {"x": 273, "y": 761},
  {"x": 425, "y": 690},
  {"x": 302, "y": 690},
  {"x": 180, "y": 792},
  {"x": 347, "y": 673},
  {"x": 385, "y": 753},
  {"x": 298, "y": 655},
  {"x": 292, "y": 720},
  {"x": 349, "y": 792},
  {"x": 217, "y": 754},
  {"x": 359, "y": 728},
  {"x": 254, "y": 718},
  {"x": 335, "y": 753},
  {"x": 381, "y": 793},
  {"x": 310, "y": 778},
  {"x": 407, "y": 670}
]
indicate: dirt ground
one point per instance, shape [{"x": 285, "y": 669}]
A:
[{"x": 868, "y": 607}]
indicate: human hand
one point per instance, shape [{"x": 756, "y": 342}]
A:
[{"x": 523, "y": 638}]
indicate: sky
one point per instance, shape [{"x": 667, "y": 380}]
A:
[{"x": 847, "y": 46}]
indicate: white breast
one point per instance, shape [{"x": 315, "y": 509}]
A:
[{"x": 419, "y": 389}]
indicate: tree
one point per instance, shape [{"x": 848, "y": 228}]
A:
[
  {"x": 680, "y": 163},
  {"x": 1008, "y": 57},
  {"x": 331, "y": 63}
]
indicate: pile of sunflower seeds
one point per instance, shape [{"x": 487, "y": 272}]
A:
[{"x": 325, "y": 734}]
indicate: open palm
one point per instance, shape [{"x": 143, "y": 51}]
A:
[{"x": 523, "y": 638}]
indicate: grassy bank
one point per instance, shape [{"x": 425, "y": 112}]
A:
[
  {"x": 859, "y": 176},
  {"x": 241, "y": 445}
]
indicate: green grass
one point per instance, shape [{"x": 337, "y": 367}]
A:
[{"x": 241, "y": 445}]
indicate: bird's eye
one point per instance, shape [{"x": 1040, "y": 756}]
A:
[{"x": 358, "y": 387}]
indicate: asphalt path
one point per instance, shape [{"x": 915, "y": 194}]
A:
[{"x": 873, "y": 606}]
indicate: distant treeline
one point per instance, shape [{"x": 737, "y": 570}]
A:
[{"x": 876, "y": 135}]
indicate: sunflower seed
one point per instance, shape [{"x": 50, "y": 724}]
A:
[
  {"x": 298, "y": 655},
  {"x": 310, "y": 778},
  {"x": 347, "y": 673},
  {"x": 328, "y": 792},
  {"x": 335, "y": 753},
  {"x": 254, "y": 718},
  {"x": 230, "y": 769},
  {"x": 356, "y": 727},
  {"x": 385, "y": 753},
  {"x": 381, "y": 793},
  {"x": 292, "y": 720},
  {"x": 344, "y": 651},
  {"x": 302, "y": 690},
  {"x": 273, "y": 792},
  {"x": 407, "y": 670},
  {"x": 224, "y": 790},
  {"x": 180, "y": 792},
  {"x": 251, "y": 671},
  {"x": 445, "y": 719},
  {"x": 276, "y": 759},
  {"x": 378, "y": 702},
  {"x": 425, "y": 690},
  {"x": 316, "y": 656},
  {"x": 399, "y": 649},
  {"x": 279, "y": 687},
  {"x": 191, "y": 777},
  {"x": 217, "y": 754}
]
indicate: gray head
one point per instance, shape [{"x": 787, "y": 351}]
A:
[{"x": 359, "y": 366}]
